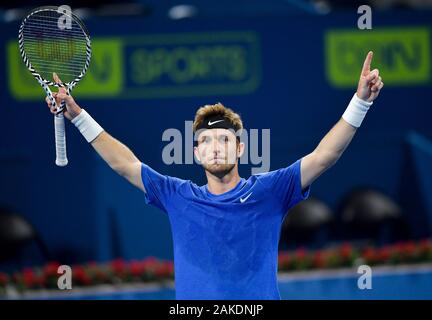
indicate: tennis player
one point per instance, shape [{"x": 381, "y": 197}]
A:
[{"x": 226, "y": 233}]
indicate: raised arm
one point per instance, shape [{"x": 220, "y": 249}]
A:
[
  {"x": 118, "y": 156},
  {"x": 334, "y": 143}
]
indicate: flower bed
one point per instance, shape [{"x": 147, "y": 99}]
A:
[
  {"x": 90, "y": 274},
  {"x": 347, "y": 255},
  {"x": 154, "y": 270}
]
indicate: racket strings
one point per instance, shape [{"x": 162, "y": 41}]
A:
[
  {"x": 51, "y": 48},
  {"x": 60, "y": 33},
  {"x": 64, "y": 55}
]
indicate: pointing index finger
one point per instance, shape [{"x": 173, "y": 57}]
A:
[
  {"x": 58, "y": 81},
  {"x": 56, "y": 78},
  {"x": 367, "y": 64}
]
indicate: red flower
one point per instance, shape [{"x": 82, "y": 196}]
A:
[
  {"x": 51, "y": 268},
  {"x": 137, "y": 268},
  {"x": 301, "y": 254},
  {"x": 150, "y": 261},
  {"x": 170, "y": 267},
  {"x": 284, "y": 260},
  {"x": 119, "y": 267},
  {"x": 409, "y": 248},
  {"x": 100, "y": 275},
  {"x": 369, "y": 255},
  {"x": 81, "y": 276},
  {"x": 398, "y": 248},
  {"x": 28, "y": 277},
  {"x": 425, "y": 246},
  {"x": 40, "y": 281},
  {"x": 4, "y": 279},
  {"x": 164, "y": 269},
  {"x": 383, "y": 254},
  {"x": 319, "y": 260},
  {"x": 346, "y": 251}
]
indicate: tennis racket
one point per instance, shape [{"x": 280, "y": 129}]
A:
[{"x": 53, "y": 39}]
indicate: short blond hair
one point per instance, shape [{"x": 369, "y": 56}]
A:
[{"x": 217, "y": 109}]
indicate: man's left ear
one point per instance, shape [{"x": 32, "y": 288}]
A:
[
  {"x": 240, "y": 149},
  {"x": 196, "y": 153}
]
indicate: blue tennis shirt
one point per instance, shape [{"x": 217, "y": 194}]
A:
[{"x": 226, "y": 246}]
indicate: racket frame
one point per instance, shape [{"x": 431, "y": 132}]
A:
[{"x": 59, "y": 123}]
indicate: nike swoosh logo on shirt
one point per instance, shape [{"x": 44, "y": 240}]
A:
[
  {"x": 210, "y": 123},
  {"x": 244, "y": 199}
]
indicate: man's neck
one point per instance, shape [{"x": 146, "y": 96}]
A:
[{"x": 218, "y": 185}]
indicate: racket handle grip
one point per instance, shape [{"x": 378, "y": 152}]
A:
[{"x": 60, "y": 140}]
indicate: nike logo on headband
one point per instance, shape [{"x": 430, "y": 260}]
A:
[{"x": 210, "y": 123}]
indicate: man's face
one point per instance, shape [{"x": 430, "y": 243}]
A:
[{"x": 218, "y": 150}]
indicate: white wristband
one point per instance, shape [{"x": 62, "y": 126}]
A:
[
  {"x": 88, "y": 127},
  {"x": 356, "y": 111}
]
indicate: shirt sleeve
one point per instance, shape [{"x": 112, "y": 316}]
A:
[
  {"x": 285, "y": 185},
  {"x": 159, "y": 189}
]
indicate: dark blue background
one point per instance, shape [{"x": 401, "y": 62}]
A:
[{"x": 86, "y": 212}]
